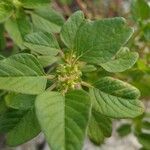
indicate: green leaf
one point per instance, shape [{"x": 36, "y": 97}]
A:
[
  {"x": 24, "y": 127},
  {"x": 22, "y": 73},
  {"x": 18, "y": 28},
  {"x": 47, "y": 60},
  {"x": 64, "y": 119},
  {"x": 99, "y": 127},
  {"x": 146, "y": 124},
  {"x": 48, "y": 20},
  {"x": 42, "y": 43},
  {"x": 124, "y": 130},
  {"x": 124, "y": 60},
  {"x": 146, "y": 31},
  {"x": 3, "y": 107},
  {"x": 20, "y": 101},
  {"x": 1, "y": 57},
  {"x": 70, "y": 28},
  {"x": 144, "y": 140},
  {"x": 6, "y": 10},
  {"x": 9, "y": 119},
  {"x": 2, "y": 38},
  {"x": 98, "y": 41},
  {"x": 140, "y": 9},
  {"x": 116, "y": 99},
  {"x": 34, "y": 3}
]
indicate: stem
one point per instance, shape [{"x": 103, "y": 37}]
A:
[
  {"x": 50, "y": 77},
  {"x": 52, "y": 87},
  {"x": 86, "y": 84}
]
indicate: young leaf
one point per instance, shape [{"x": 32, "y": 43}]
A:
[
  {"x": 34, "y": 3},
  {"x": 6, "y": 10},
  {"x": 99, "y": 127},
  {"x": 123, "y": 61},
  {"x": 42, "y": 43},
  {"x": 25, "y": 129},
  {"x": 18, "y": 28},
  {"x": 20, "y": 101},
  {"x": 64, "y": 119},
  {"x": 69, "y": 29},
  {"x": 48, "y": 20},
  {"x": 116, "y": 99},
  {"x": 98, "y": 41},
  {"x": 22, "y": 73}
]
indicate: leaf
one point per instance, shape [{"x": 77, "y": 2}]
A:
[
  {"x": 146, "y": 124},
  {"x": 123, "y": 61},
  {"x": 64, "y": 119},
  {"x": 143, "y": 138},
  {"x": 146, "y": 31},
  {"x": 22, "y": 73},
  {"x": 116, "y": 99},
  {"x": 6, "y": 10},
  {"x": 124, "y": 130},
  {"x": 1, "y": 57},
  {"x": 9, "y": 119},
  {"x": 2, "y": 38},
  {"x": 34, "y": 3},
  {"x": 20, "y": 101},
  {"x": 3, "y": 106},
  {"x": 98, "y": 41},
  {"x": 99, "y": 127},
  {"x": 48, "y": 20},
  {"x": 47, "y": 60},
  {"x": 70, "y": 28},
  {"x": 140, "y": 10},
  {"x": 42, "y": 43},
  {"x": 20, "y": 126},
  {"x": 18, "y": 28}
]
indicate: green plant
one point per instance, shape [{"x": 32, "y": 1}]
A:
[
  {"x": 20, "y": 17},
  {"x": 140, "y": 74},
  {"x": 61, "y": 100}
]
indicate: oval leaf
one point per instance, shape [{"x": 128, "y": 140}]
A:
[
  {"x": 22, "y": 73},
  {"x": 42, "y": 43},
  {"x": 20, "y": 101},
  {"x": 69, "y": 29},
  {"x": 115, "y": 98},
  {"x": 98, "y": 41},
  {"x": 99, "y": 127},
  {"x": 24, "y": 129},
  {"x": 17, "y": 28},
  {"x": 48, "y": 20},
  {"x": 64, "y": 119}
]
